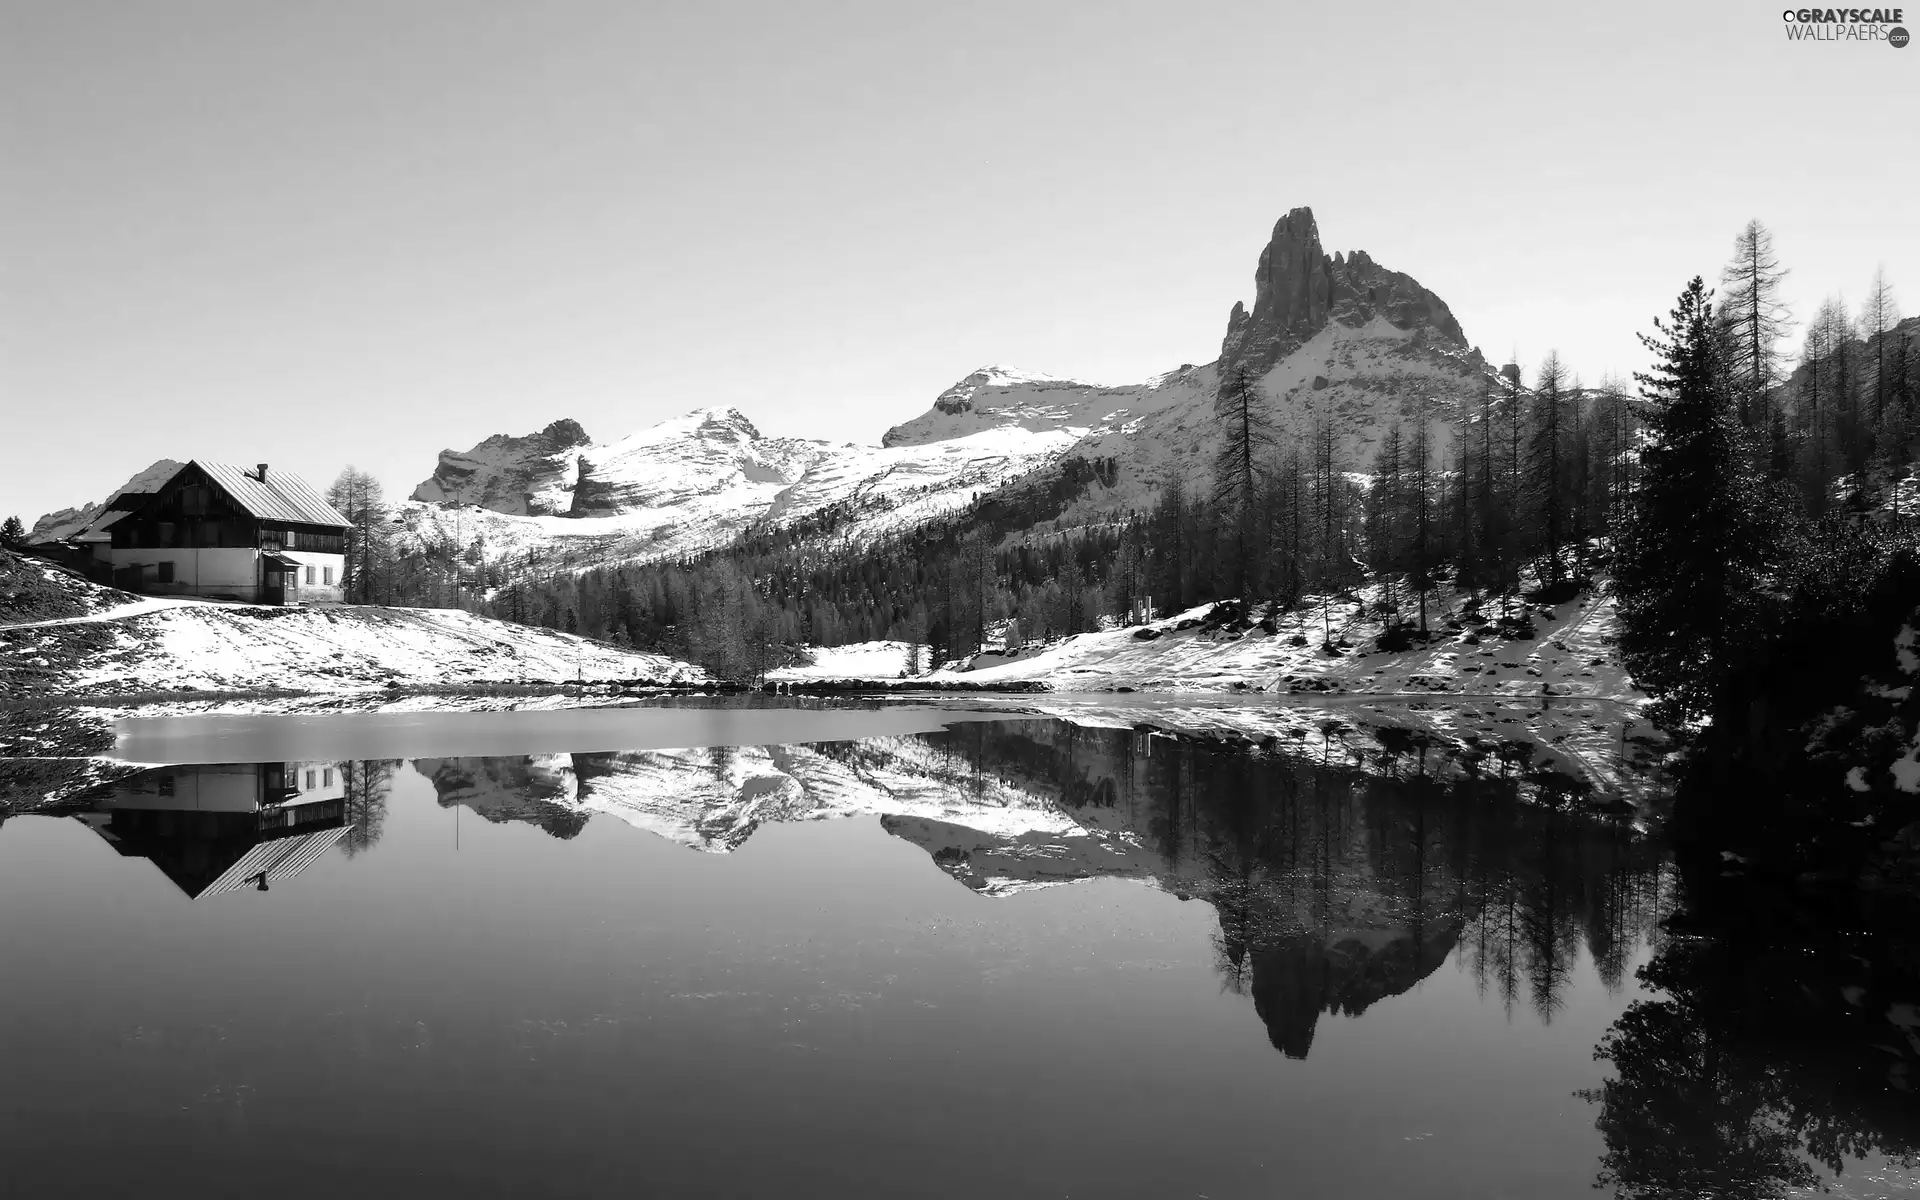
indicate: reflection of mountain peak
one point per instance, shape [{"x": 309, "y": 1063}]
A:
[
  {"x": 1333, "y": 888},
  {"x": 537, "y": 789},
  {"x": 1344, "y": 973},
  {"x": 1325, "y": 878}
]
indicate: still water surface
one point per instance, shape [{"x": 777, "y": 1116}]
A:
[{"x": 1008, "y": 956}]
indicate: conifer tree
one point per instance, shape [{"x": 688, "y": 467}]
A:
[
  {"x": 1385, "y": 512},
  {"x": 1689, "y": 567},
  {"x": 361, "y": 500},
  {"x": 1756, "y": 319},
  {"x": 1511, "y": 499},
  {"x": 1546, "y": 463},
  {"x": 1423, "y": 555},
  {"x": 1246, "y": 443},
  {"x": 1878, "y": 317},
  {"x": 12, "y": 532}
]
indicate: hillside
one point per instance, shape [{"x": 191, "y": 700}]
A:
[
  {"x": 1328, "y": 340},
  {"x": 106, "y": 643},
  {"x": 698, "y": 481}
]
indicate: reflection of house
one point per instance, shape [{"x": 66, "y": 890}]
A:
[
  {"x": 225, "y": 531},
  {"x": 224, "y": 827}
]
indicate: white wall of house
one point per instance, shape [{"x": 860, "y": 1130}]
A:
[
  {"x": 316, "y": 781},
  {"x": 230, "y": 572},
  {"x": 229, "y": 788},
  {"x": 321, "y": 577},
  {"x": 206, "y": 571}
]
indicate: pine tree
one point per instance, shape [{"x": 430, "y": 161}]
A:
[
  {"x": 1546, "y": 463},
  {"x": 12, "y": 532},
  {"x": 1878, "y": 317},
  {"x": 1385, "y": 514},
  {"x": 1756, "y": 319},
  {"x": 1511, "y": 490},
  {"x": 1815, "y": 415},
  {"x": 1422, "y": 556},
  {"x": 1246, "y": 442},
  {"x": 360, "y": 499},
  {"x": 1688, "y": 572}
]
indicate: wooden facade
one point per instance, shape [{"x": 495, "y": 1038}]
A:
[{"x": 275, "y": 543}]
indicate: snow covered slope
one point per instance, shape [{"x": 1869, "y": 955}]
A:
[
  {"x": 154, "y": 644},
  {"x": 1008, "y": 398},
  {"x": 1333, "y": 341},
  {"x": 700, "y": 480}
]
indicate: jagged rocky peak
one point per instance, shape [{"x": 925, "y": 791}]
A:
[
  {"x": 693, "y": 458},
  {"x": 532, "y": 475},
  {"x": 723, "y": 422},
  {"x": 1299, "y": 289},
  {"x": 66, "y": 522},
  {"x": 1000, "y": 397}
]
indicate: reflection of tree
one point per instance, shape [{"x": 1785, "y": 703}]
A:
[
  {"x": 367, "y": 786},
  {"x": 1684, "y": 1115},
  {"x": 1339, "y": 877},
  {"x": 1339, "y": 883},
  {"x": 1767, "y": 1053}
]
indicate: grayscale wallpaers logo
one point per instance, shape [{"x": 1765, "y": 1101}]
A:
[{"x": 1846, "y": 25}]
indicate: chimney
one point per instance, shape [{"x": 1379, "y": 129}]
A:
[{"x": 263, "y": 472}]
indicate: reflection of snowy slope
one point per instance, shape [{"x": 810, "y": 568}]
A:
[
  {"x": 713, "y": 799},
  {"x": 710, "y": 799},
  {"x": 1336, "y": 884},
  {"x": 537, "y": 789}
]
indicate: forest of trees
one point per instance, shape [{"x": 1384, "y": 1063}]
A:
[{"x": 1729, "y": 488}]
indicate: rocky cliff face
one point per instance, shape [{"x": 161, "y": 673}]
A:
[
  {"x": 68, "y": 521},
  {"x": 525, "y": 476},
  {"x": 709, "y": 453},
  {"x": 1008, "y": 398},
  {"x": 1331, "y": 340},
  {"x": 1298, "y": 289}
]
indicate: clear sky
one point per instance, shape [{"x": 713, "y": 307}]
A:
[{"x": 321, "y": 233}]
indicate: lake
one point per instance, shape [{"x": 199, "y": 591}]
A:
[{"x": 833, "y": 950}]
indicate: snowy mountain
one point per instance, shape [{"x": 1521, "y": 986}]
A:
[
  {"x": 698, "y": 481},
  {"x": 68, "y": 521},
  {"x": 527, "y": 476},
  {"x": 1330, "y": 340},
  {"x": 1334, "y": 341}
]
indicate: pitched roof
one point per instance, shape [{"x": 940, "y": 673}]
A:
[
  {"x": 278, "y": 859},
  {"x": 98, "y": 529},
  {"x": 283, "y": 497}
]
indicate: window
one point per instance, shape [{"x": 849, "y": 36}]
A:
[
  {"x": 166, "y": 785},
  {"x": 309, "y": 780},
  {"x": 166, "y": 572},
  {"x": 326, "y": 777},
  {"x": 309, "y": 574},
  {"x": 327, "y": 576}
]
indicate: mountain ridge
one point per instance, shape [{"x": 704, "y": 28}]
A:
[{"x": 1329, "y": 340}]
